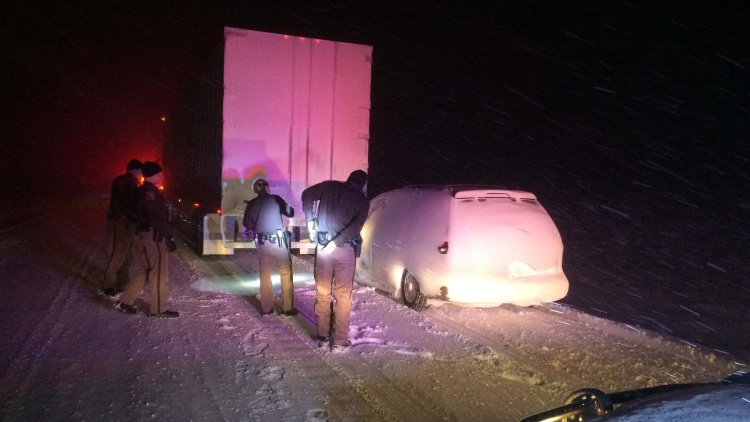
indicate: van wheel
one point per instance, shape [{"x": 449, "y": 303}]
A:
[{"x": 413, "y": 298}]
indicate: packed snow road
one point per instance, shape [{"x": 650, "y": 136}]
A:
[{"x": 68, "y": 355}]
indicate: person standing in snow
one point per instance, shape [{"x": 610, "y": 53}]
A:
[
  {"x": 335, "y": 213},
  {"x": 120, "y": 227},
  {"x": 263, "y": 219},
  {"x": 150, "y": 246}
]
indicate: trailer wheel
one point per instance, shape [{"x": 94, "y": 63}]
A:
[{"x": 413, "y": 297}]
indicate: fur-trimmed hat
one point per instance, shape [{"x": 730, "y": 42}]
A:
[{"x": 150, "y": 168}]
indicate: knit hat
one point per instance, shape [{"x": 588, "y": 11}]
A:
[
  {"x": 358, "y": 177},
  {"x": 150, "y": 168},
  {"x": 134, "y": 165}
]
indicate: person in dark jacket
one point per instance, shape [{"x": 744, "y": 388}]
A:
[
  {"x": 263, "y": 219},
  {"x": 150, "y": 246},
  {"x": 335, "y": 212},
  {"x": 120, "y": 227}
]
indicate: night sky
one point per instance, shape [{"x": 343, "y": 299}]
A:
[
  {"x": 526, "y": 94},
  {"x": 629, "y": 120}
]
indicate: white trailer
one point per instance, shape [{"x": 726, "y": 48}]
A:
[{"x": 295, "y": 111}]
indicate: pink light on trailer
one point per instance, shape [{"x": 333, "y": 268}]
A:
[{"x": 279, "y": 107}]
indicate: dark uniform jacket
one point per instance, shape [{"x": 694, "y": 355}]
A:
[
  {"x": 151, "y": 208},
  {"x": 263, "y": 214},
  {"x": 121, "y": 197},
  {"x": 342, "y": 209}
]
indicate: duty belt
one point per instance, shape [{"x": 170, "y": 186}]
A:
[{"x": 261, "y": 238}]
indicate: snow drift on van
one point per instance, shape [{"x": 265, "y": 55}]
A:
[{"x": 466, "y": 244}]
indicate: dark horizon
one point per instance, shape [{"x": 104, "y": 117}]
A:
[{"x": 527, "y": 95}]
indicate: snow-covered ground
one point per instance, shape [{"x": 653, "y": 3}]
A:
[{"x": 69, "y": 356}]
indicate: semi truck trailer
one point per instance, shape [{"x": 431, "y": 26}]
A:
[{"x": 289, "y": 109}]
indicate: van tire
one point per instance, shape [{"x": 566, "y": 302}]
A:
[{"x": 413, "y": 297}]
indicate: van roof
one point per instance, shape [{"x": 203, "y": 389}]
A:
[{"x": 476, "y": 191}]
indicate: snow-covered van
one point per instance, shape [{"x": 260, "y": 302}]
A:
[{"x": 467, "y": 244}]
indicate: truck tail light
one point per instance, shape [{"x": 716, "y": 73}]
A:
[{"x": 443, "y": 249}]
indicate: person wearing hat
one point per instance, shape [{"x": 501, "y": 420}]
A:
[
  {"x": 335, "y": 212},
  {"x": 149, "y": 253},
  {"x": 120, "y": 228},
  {"x": 262, "y": 218}
]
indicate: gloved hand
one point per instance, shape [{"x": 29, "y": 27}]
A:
[
  {"x": 329, "y": 248},
  {"x": 171, "y": 243},
  {"x": 311, "y": 230}
]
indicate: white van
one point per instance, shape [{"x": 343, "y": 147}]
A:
[{"x": 466, "y": 244}]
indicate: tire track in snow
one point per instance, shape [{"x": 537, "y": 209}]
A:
[
  {"x": 210, "y": 378},
  {"x": 530, "y": 349},
  {"x": 27, "y": 363},
  {"x": 494, "y": 350},
  {"x": 276, "y": 387},
  {"x": 389, "y": 400}
]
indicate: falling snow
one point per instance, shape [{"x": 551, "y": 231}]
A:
[
  {"x": 628, "y": 122},
  {"x": 69, "y": 355}
]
